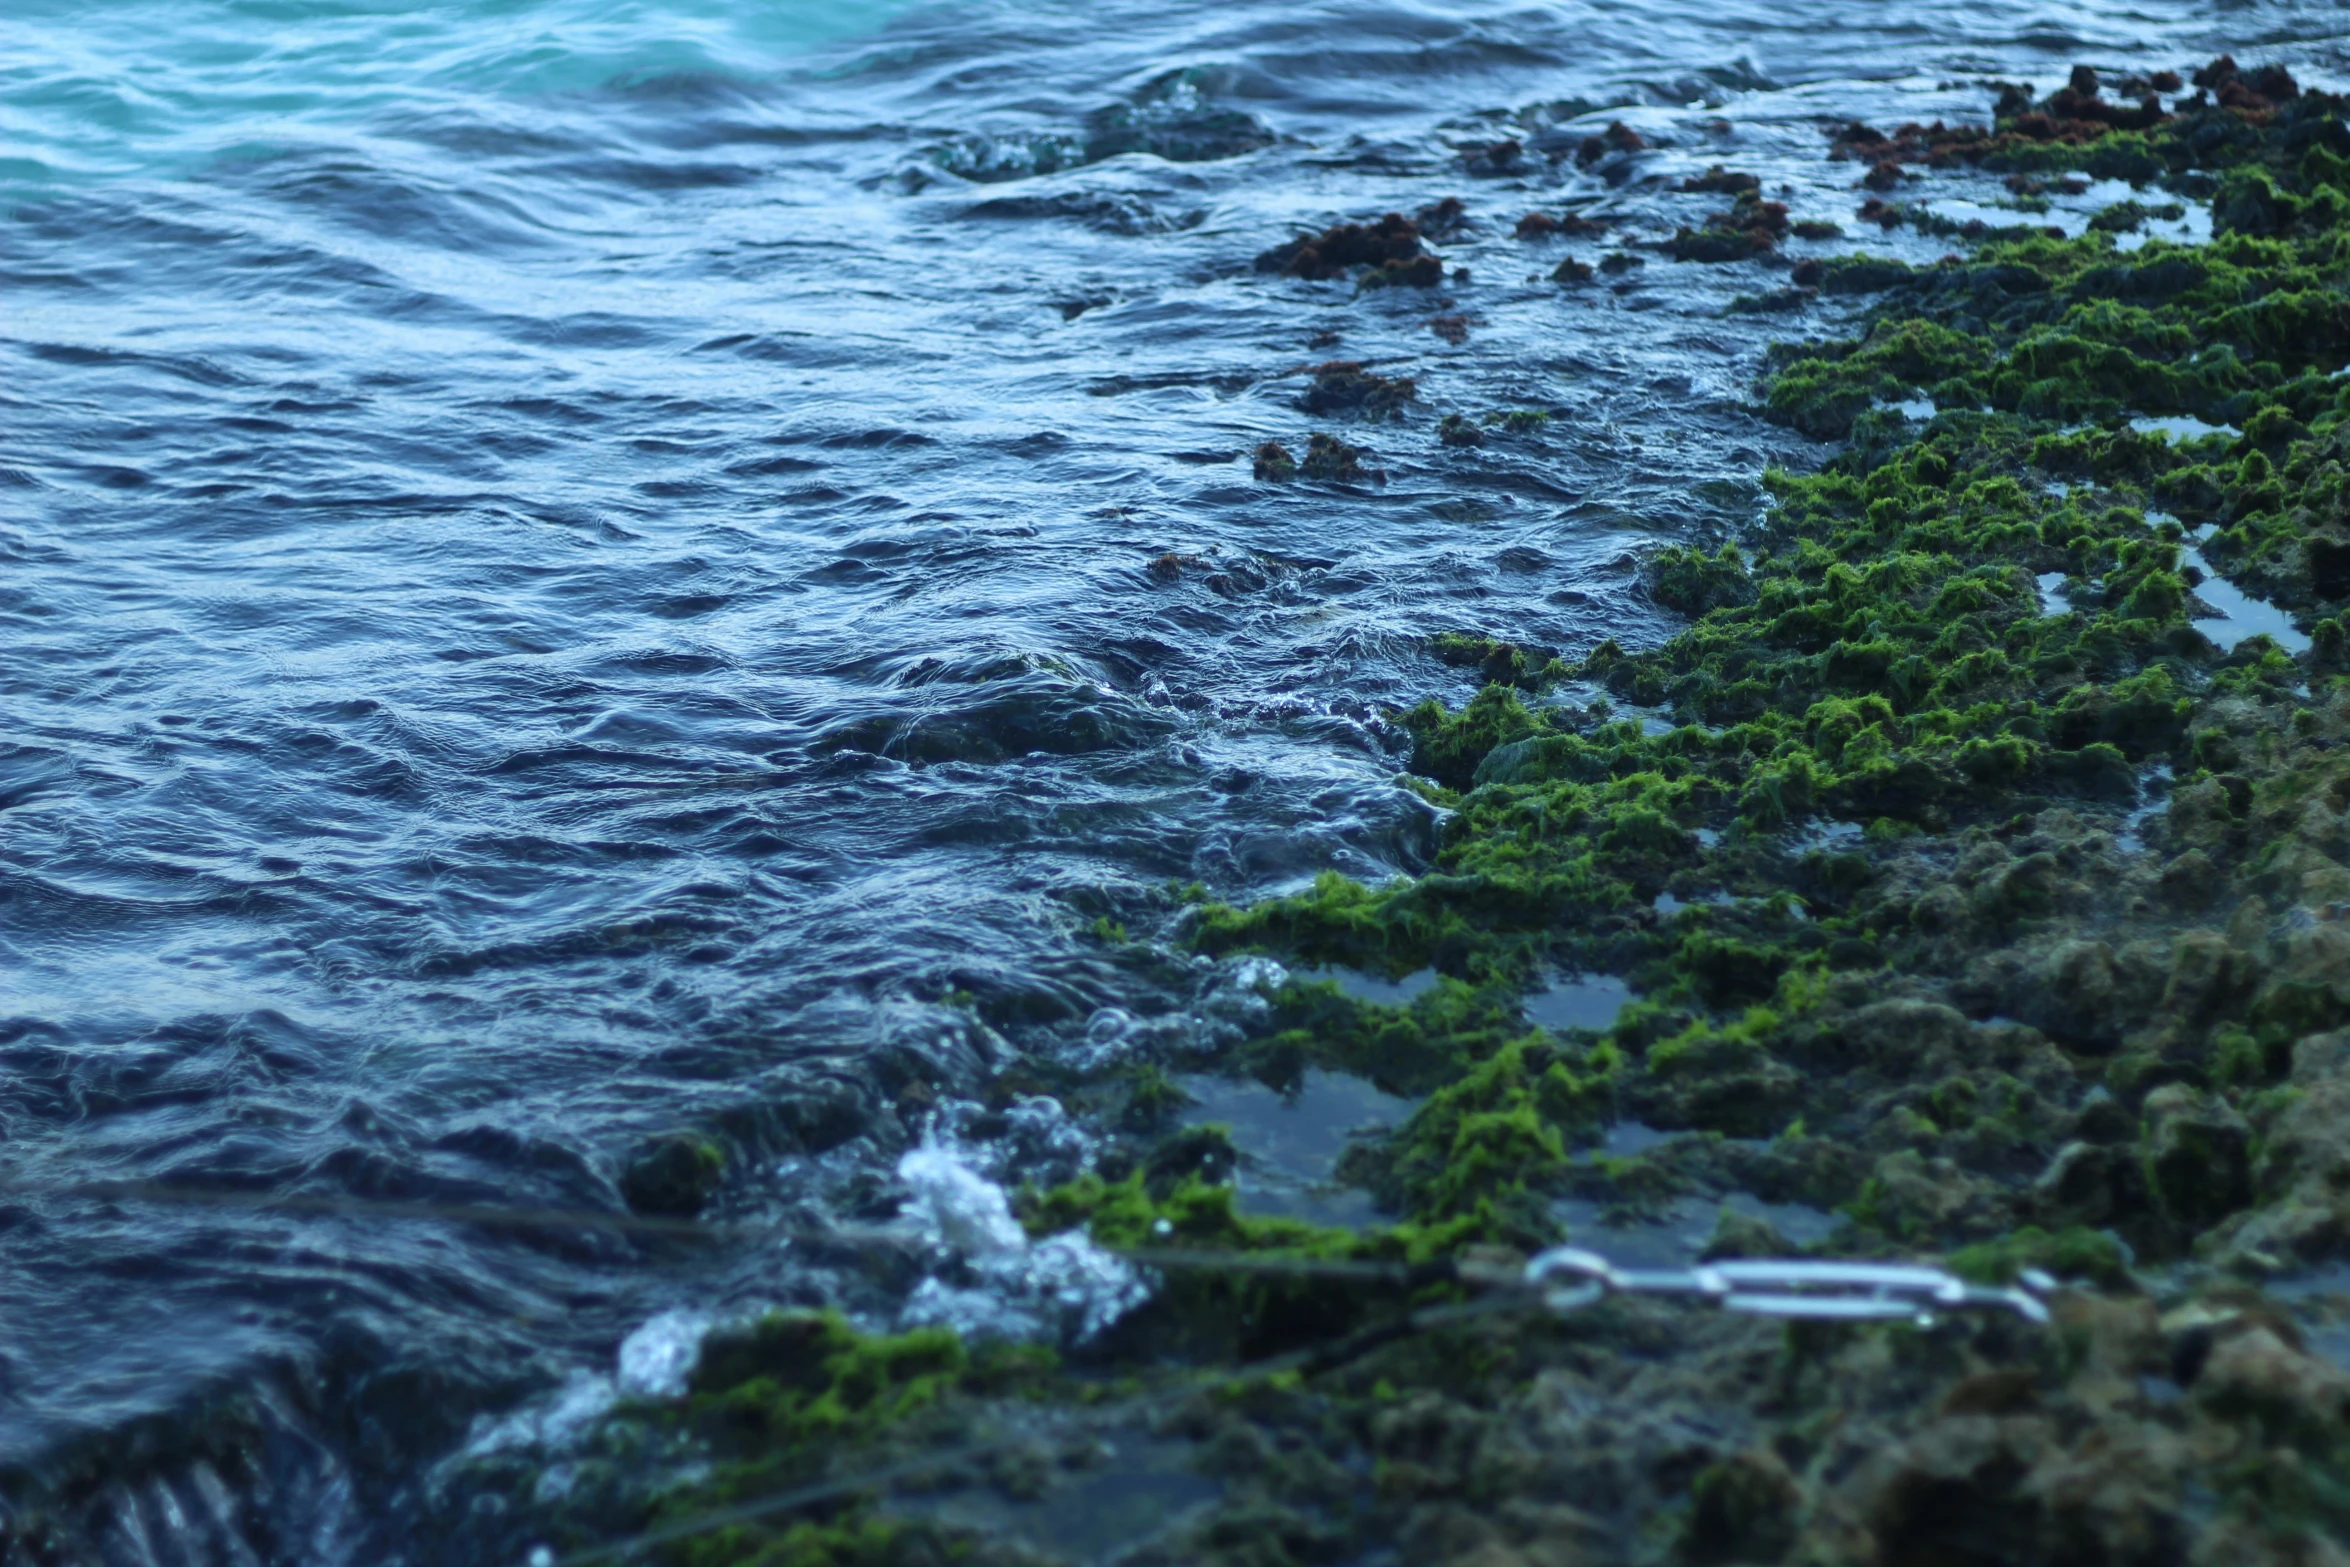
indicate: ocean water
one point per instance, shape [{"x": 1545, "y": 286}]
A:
[{"x": 574, "y": 569}]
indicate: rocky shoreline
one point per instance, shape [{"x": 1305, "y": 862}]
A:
[{"x": 1969, "y": 890}]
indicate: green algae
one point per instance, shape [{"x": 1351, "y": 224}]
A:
[
  {"x": 794, "y": 1399},
  {"x": 1877, "y": 652}
]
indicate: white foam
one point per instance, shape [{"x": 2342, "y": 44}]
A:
[
  {"x": 587, "y": 1397},
  {"x": 956, "y": 1206},
  {"x": 1061, "y": 1287},
  {"x": 657, "y": 1358}
]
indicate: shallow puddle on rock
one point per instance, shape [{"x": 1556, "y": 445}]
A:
[
  {"x": 2316, "y": 1284},
  {"x": 1679, "y": 1235},
  {"x": 2240, "y": 614},
  {"x": 1359, "y": 986},
  {"x": 1591, "y": 1001},
  {"x": 2153, "y": 800},
  {"x": 1827, "y": 835},
  {"x": 1289, "y": 1146},
  {"x": 2320, "y": 1303},
  {"x": 2051, "y": 584},
  {"x": 2181, "y": 428}
]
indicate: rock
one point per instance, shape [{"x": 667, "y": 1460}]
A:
[
  {"x": 2077, "y": 995},
  {"x": 2201, "y": 815},
  {"x": 2255, "y": 1375},
  {"x": 2321, "y": 1058},
  {"x": 2303, "y": 1172},
  {"x": 2025, "y": 889},
  {"x": 1949, "y": 1493},
  {"x": 2207, "y": 977},
  {"x": 2248, "y": 926},
  {"x": 1900, "y": 1038},
  {"x": 2199, "y": 1156},
  {"x": 1980, "y": 860},
  {"x": 1742, "y": 1509},
  {"x": 673, "y": 1176},
  {"x": 1447, "y": 1532},
  {"x": 1453, "y": 430},
  {"x": 2192, "y": 881},
  {"x": 1914, "y": 1196},
  {"x": 1942, "y": 909},
  {"x": 1202, "y": 1151},
  {"x": 2089, "y": 1184},
  {"x": 1739, "y": 1234},
  {"x": 1753, "y": 1099}
]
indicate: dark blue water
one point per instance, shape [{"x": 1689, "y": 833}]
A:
[{"x": 570, "y": 569}]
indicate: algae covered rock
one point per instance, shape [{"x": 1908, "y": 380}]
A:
[
  {"x": 673, "y": 1176},
  {"x": 2198, "y": 1155},
  {"x": 1901, "y": 1037}
]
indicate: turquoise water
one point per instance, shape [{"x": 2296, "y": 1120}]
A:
[{"x": 92, "y": 92}]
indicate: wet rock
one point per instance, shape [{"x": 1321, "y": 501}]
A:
[
  {"x": 1942, "y": 908},
  {"x": 1913, "y": 1196},
  {"x": 1743, "y": 1509},
  {"x": 1442, "y": 219},
  {"x": 2078, "y": 994},
  {"x": 2257, "y": 1376},
  {"x": 1738, "y": 1233},
  {"x": 1571, "y": 270},
  {"x": 1420, "y": 272},
  {"x": 1901, "y": 1038},
  {"x": 1392, "y": 241},
  {"x": 1751, "y": 227},
  {"x": 1202, "y": 1152},
  {"x": 1495, "y": 159},
  {"x": 2303, "y": 1169},
  {"x": 1692, "y": 582},
  {"x": 1751, "y": 1099},
  {"x": 2257, "y": 93},
  {"x": 673, "y": 1176},
  {"x": 1617, "y": 140},
  {"x": 1328, "y": 457},
  {"x": 1273, "y": 464},
  {"x": 1345, "y": 386},
  {"x": 2198, "y": 1156},
  {"x": 1951, "y": 1492},
  {"x": 2090, "y": 1184},
  {"x": 2208, "y": 978},
  {"x": 2191, "y": 881},
  {"x": 1719, "y": 181},
  {"x": 1453, "y": 430},
  {"x": 2201, "y": 815}
]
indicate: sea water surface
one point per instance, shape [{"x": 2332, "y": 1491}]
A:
[{"x": 570, "y": 569}]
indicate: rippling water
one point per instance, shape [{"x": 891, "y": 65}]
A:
[{"x": 570, "y": 568}]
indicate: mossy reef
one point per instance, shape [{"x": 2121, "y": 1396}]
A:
[{"x": 1968, "y": 888}]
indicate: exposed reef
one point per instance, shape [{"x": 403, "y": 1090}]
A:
[{"x": 1965, "y": 887}]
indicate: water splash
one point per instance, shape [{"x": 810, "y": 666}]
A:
[{"x": 1061, "y": 1287}]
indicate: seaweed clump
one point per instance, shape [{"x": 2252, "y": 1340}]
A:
[
  {"x": 1751, "y": 227},
  {"x": 1346, "y": 386},
  {"x": 1941, "y": 986},
  {"x": 1327, "y": 457},
  {"x": 1390, "y": 249}
]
